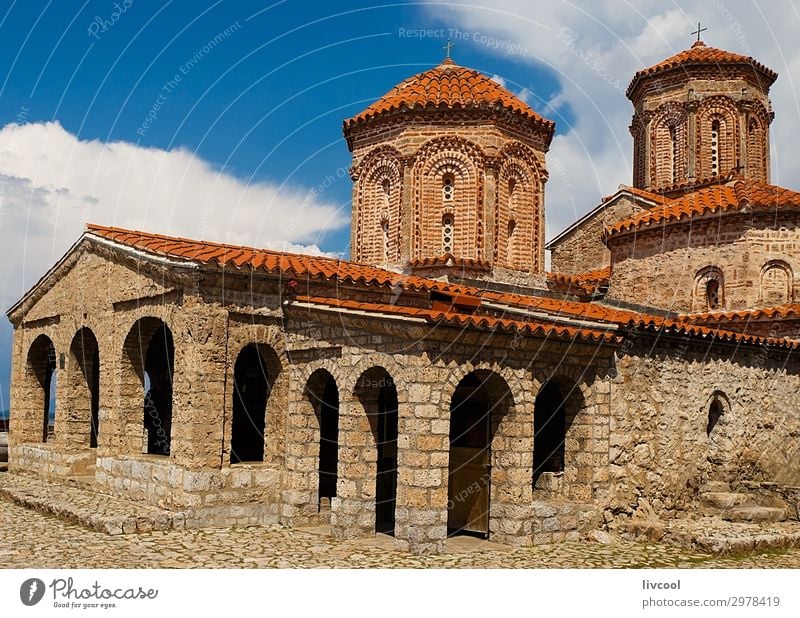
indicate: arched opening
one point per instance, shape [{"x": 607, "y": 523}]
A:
[
  {"x": 148, "y": 373},
  {"x": 776, "y": 283},
  {"x": 477, "y": 406},
  {"x": 323, "y": 393},
  {"x": 376, "y": 391},
  {"x": 712, "y": 293},
  {"x": 709, "y": 289},
  {"x": 85, "y": 387},
  {"x": 252, "y": 383},
  {"x": 448, "y": 187},
  {"x": 41, "y": 366},
  {"x": 557, "y": 404},
  {"x": 715, "y": 412},
  {"x": 549, "y": 430},
  {"x": 715, "y": 158}
]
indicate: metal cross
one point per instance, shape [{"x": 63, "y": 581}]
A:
[
  {"x": 698, "y": 31},
  {"x": 450, "y": 45}
]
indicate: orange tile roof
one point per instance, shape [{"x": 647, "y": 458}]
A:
[
  {"x": 448, "y": 86},
  {"x": 700, "y": 54},
  {"x": 731, "y": 196},
  {"x": 790, "y": 311},
  {"x": 585, "y": 283},
  {"x": 448, "y": 259},
  {"x": 295, "y": 265},
  {"x": 287, "y": 264},
  {"x": 465, "y": 320}
]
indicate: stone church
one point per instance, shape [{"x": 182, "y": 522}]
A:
[{"x": 442, "y": 382}]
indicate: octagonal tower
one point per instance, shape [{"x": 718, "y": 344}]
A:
[
  {"x": 701, "y": 114},
  {"x": 449, "y": 166}
]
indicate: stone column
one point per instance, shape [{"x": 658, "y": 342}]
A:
[
  {"x": 353, "y": 508},
  {"x": 423, "y": 464}
]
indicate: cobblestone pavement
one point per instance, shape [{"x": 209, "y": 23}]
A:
[{"x": 31, "y": 540}]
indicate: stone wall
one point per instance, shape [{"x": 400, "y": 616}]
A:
[
  {"x": 664, "y": 267},
  {"x": 582, "y": 249},
  {"x": 660, "y": 451}
]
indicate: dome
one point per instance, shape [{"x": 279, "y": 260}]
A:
[
  {"x": 448, "y": 86},
  {"x": 700, "y": 56}
]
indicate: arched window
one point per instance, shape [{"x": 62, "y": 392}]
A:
[
  {"x": 709, "y": 289},
  {"x": 448, "y": 187},
  {"x": 715, "y": 147},
  {"x": 447, "y": 233},
  {"x": 512, "y": 226},
  {"x": 387, "y": 193},
  {"x": 776, "y": 283},
  {"x": 673, "y": 138}
]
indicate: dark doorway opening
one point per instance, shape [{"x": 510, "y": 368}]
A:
[
  {"x": 386, "y": 475},
  {"x": 158, "y": 367},
  {"x": 549, "y": 431},
  {"x": 250, "y": 393},
  {"x": 328, "y": 441},
  {"x": 715, "y": 412}
]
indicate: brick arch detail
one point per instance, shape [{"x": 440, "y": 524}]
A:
[
  {"x": 668, "y": 166},
  {"x": 720, "y": 108}
]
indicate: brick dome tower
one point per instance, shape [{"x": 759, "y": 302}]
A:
[
  {"x": 449, "y": 167},
  {"x": 700, "y": 114}
]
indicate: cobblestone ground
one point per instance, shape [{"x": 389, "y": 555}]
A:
[{"x": 31, "y": 540}]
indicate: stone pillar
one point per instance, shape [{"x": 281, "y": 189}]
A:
[
  {"x": 26, "y": 421},
  {"x": 198, "y": 394},
  {"x": 423, "y": 465},
  {"x": 353, "y": 508}
]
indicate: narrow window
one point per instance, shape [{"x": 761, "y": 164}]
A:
[
  {"x": 512, "y": 225},
  {"x": 715, "y": 148},
  {"x": 447, "y": 234},
  {"x": 715, "y": 412},
  {"x": 712, "y": 293},
  {"x": 448, "y": 187},
  {"x": 385, "y": 232},
  {"x": 673, "y": 138},
  {"x": 387, "y": 193}
]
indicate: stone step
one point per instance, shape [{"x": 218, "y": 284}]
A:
[
  {"x": 756, "y": 514},
  {"x": 715, "y": 487},
  {"x": 726, "y": 500},
  {"x": 90, "y": 509}
]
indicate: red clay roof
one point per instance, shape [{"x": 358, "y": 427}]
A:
[
  {"x": 295, "y": 265},
  {"x": 730, "y": 196},
  {"x": 448, "y": 86},
  {"x": 462, "y": 320},
  {"x": 582, "y": 284},
  {"x": 449, "y": 260},
  {"x": 287, "y": 264},
  {"x": 700, "y": 54},
  {"x": 790, "y": 311}
]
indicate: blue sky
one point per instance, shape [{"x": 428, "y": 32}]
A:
[{"x": 222, "y": 120}]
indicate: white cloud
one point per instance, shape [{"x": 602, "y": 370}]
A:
[
  {"x": 594, "y": 49},
  {"x": 52, "y": 183}
]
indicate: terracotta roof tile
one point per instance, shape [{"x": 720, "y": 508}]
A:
[
  {"x": 731, "y": 196},
  {"x": 448, "y": 259},
  {"x": 700, "y": 54},
  {"x": 790, "y": 311},
  {"x": 290, "y": 265},
  {"x": 584, "y": 284},
  {"x": 448, "y": 86}
]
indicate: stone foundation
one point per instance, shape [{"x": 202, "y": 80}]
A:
[
  {"x": 242, "y": 494},
  {"x": 51, "y": 461}
]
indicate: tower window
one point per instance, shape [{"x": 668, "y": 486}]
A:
[
  {"x": 448, "y": 187},
  {"x": 387, "y": 192},
  {"x": 385, "y": 234},
  {"x": 712, "y": 293},
  {"x": 715, "y": 148},
  {"x": 673, "y": 139},
  {"x": 447, "y": 234},
  {"x": 512, "y": 226}
]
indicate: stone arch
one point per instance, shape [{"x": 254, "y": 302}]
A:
[
  {"x": 36, "y": 408},
  {"x": 83, "y": 383},
  {"x": 146, "y": 387},
  {"x": 484, "y": 464},
  {"x": 255, "y": 374},
  {"x": 669, "y": 146},
  {"x": 708, "y": 292},
  {"x": 463, "y": 161},
  {"x": 776, "y": 283},
  {"x": 558, "y": 403},
  {"x": 723, "y": 111},
  {"x": 322, "y": 393},
  {"x": 379, "y": 192},
  {"x": 518, "y": 217}
]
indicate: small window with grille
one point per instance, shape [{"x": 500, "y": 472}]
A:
[{"x": 447, "y": 234}]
